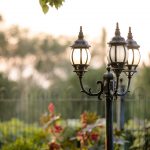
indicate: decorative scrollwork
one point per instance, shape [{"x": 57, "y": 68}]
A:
[
  {"x": 89, "y": 92},
  {"x": 100, "y": 92}
]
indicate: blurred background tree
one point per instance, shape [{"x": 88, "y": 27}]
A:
[
  {"x": 40, "y": 70},
  {"x": 36, "y": 70}
]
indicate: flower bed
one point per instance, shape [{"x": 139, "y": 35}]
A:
[{"x": 85, "y": 133}]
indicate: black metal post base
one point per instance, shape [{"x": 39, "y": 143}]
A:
[{"x": 109, "y": 123}]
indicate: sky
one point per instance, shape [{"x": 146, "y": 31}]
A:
[{"x": 93, "y": 15}]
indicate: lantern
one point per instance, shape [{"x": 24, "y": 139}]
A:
[
  {"x": 133, "y": 53},
  {"x": 118, "y": 54},
  {"x": 80, "y": 55}
]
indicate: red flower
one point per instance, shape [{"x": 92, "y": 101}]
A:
[
  {"x": 54, "y": 146},
  {"x": 57, "y": 129},
  {"x": 51, "y": 108},
  {"x": 84, "y": 118},
  {"x": 94, "y": 137}
]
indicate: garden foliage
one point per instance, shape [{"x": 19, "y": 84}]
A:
[{"x": 56, "y": 133}]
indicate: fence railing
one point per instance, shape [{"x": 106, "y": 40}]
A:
[{"x": 136, "y": 112}]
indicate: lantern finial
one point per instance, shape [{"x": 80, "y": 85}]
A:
[
  {"x": 131, "y": 44},
  {"x": 80, "y": 42},
  {"x": 117, "y": 32},
  {"x": 130, "y": 34},
  {"x": 81, "y": 36}
]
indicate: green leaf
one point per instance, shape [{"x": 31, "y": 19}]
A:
[
  {"x": 45, "y": 4},
  {"x": 51, "y": 3},
  {"x": 45, "y": 8},
  {"x": 42, "y": 2},
  {"x": 58, "y": 3}
]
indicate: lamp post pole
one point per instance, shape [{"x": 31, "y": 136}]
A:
[
  {"x": 120, "y": 107},
  {"x": 123, "y": 56},
  {"x": 108, "y": 88},
  {"x": 109, "y": 123}
]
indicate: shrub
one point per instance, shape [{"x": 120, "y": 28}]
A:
[{"x": 16, "y": 135}]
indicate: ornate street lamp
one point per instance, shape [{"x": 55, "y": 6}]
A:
[
  {"x": 80, "y": 56},
  {"x": 133, "y": 55},
  {"x": 123, "y": 56},
  {"x": 118, "y": 53}
]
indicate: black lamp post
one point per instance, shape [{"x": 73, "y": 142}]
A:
[{"x": 123, "y": 56}]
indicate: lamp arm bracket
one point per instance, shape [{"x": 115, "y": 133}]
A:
[{"x": 89, "y": 92}]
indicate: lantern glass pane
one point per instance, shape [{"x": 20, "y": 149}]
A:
[
  {"x": 118, "y": 54},
  {"x": 112, "y": 54},
  {"x": 130, "y": 57},
  {"x": 121, "y": 54},
  {"x": 80, "y": 56},
  {"x": 86, "y": 56},
  {"x": 71, "y": 57},
  {"x": 127, "y": 54},
  {"x": 136, "y": 56},
  {"x": 76, "y": 56},
  {"x": 89, "y": 56}
]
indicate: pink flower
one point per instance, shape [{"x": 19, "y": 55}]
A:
[
  {"x": 84, "y": 118},
  {"x": 58, "y": 129},
  {"x": 51, "y": 108},
  {"x": 94, "y": 137}
]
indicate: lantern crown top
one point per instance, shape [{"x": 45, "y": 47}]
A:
[
  {"x": 117, "y": 32},
  {"x": 80, "y": 42},
  {"x": 81, "y": 36},
  {"x": 130, "y": 34},
  {"x": 117, "y": 39},
  {"x": 131, "y": 44}
]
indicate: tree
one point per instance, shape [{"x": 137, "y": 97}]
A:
[
  {"x": 45, "y": 4},
  {"x": 9, "y": 91},
  {"x": 1, "y": 18},
  {"x": 142, "y": 82}
]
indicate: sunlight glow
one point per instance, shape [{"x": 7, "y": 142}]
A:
[{"x": 92, "y": 15}]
